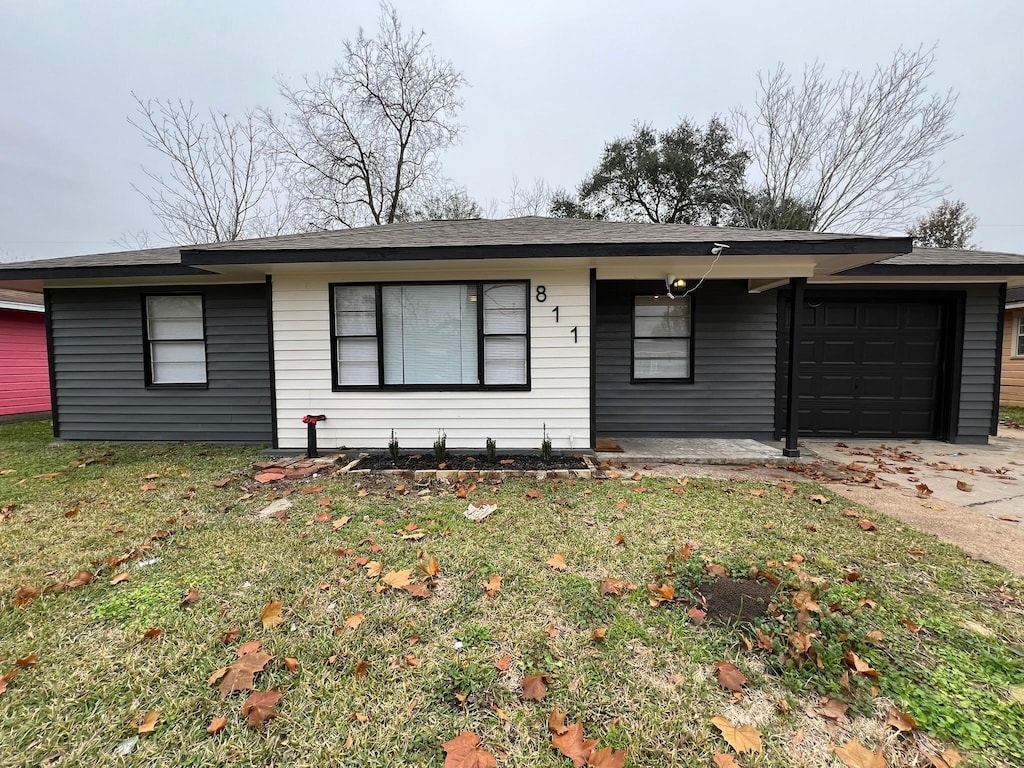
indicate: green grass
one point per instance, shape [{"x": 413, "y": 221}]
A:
[
  {"x": 1012, "y": 415},
  {"x": 648, "y": 687}
]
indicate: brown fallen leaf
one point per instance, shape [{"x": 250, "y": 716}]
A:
[
  {"x": 148, "y": 724},
  {"x": 743, "y": 738},
  {"x": 962, "y": 486},
  {"x": 431, "y": 568},
  {"x": 607, "y": 758},
  {"x": 374, "y": 568},
  {"x": 120, "y": 578},
  {"x": 612, "y": 587},
  {"x": 398, "y": 579},
  {"x": 533, "y": 493},
  {"x": 260, "y": 707},
  {"x": 220, "y": 484},
  {"x": 572, "y": 744},
  {"x": 696, "y": 615},
  {"x": 152, "y": 633},
  {"x": 557, "y": 561},
  {"x": 858, "y": 665},
  {"x": 271, "y": 614},
  {"x": 464, "y": 752},
  {"x": 856, "y": 755},
  {"x": 556, "y": 721},
  {"x": 503, "y": 662},
  {"x": 901, "y": 721},
  {"x": 923, "y": 491},
  {"x": 834, "y": 709},
  {"x": 421, "y": 591},
  {"x": 353, "y": 621},
  {"x": 81, "y": 579},
  {"x": 534, "y": 687},
  {"x": 723, "y": 760},
  {"x": 493, "y": 585},
  {"x": 27, "y": 661},
  {"x": 148, "y": 487},
  {"x": 190, "y": 598},
  {"x": 730, "y": 677},
  {"x": 818, "y": 498},
  {"x": 362, "y": 668},
  {"x": 599, "y": 634},
  {"x": 240, "y": 675},
  {"x": 217, "y": 725},
  {"x": 291, "y": 663}
]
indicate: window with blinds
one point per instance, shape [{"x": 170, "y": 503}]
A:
[
  {"x": 662, "y": 339},
  {"x": 431, "y": 335},
  {"x": 175, "y": 340}
]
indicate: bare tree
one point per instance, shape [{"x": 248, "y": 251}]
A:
[
  {"x": 535, "y": 200},
  {"x": 858, "y": 152},
  {"x": 222, "y": 179},
  {"x": 369, "y": 134},
  {"x": 949, "y": 225}
]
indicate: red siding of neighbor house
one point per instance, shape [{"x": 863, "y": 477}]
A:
[{"x": 24, "y": 374}]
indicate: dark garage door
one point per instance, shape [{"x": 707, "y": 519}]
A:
[{"x": 868, "y": 367}]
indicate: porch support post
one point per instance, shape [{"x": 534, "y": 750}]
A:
[{"x": 792, "y": 448}]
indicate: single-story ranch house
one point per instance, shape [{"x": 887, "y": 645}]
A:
[{"x": 504, "y": 328}]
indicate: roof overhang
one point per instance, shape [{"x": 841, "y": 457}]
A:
[{"x": 21, "y": 307}]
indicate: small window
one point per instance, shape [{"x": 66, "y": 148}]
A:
[
  {"x": 1018, "y": 349},
  {"x": 175, "y": 341},
  {"x": 662, "y": 339},
  {"x": 431, "y": 336}
]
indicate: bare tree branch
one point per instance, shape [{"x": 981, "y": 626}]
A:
[
  {"x": 856, "y": 152},
  {"x": 365, "y": 138},
  {"x": 220, "y": 182},
  {"x": 529, "y": 201}
]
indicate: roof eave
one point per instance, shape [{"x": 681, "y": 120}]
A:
[{"x": 936, "y": 270}]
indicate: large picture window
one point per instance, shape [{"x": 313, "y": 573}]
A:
[
  {"x": 175, "y": 340},
  {"x": 662, "y": 339},
  {"x": 431, "y": 336}
]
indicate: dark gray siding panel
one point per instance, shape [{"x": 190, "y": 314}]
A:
[
  {"x": 733, "y": 390},
  {"x": 977, "y": 385},
  {"x": 100, "y": 377}
]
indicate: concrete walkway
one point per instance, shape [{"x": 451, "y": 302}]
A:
[{"x": 693, "y": 451}]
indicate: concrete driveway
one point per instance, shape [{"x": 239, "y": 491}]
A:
[{"x": 969, "y": 495}]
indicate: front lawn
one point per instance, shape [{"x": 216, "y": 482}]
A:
[
  {"x": 1012, "y": 415},
  {"x": 375, "y": 671}
]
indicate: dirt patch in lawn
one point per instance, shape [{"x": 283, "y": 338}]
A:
[
  {"x": 732, "y": 601},
  {"x": 470, "y": 462}
]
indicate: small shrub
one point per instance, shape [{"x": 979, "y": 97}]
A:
[
  {"x": 545, "y": 445},
  {"x": 393, "y": 448},
  {"x": 492, "y": 451},
  {"x": 440, "y": 448}
]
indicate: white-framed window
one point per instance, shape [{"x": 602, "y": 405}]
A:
[
  {"x": 431, "y": 336},
  {"x": 662, "y": 339},
  {"x": 1018, "y": 338},
  {"x": 175, "y": 340}
]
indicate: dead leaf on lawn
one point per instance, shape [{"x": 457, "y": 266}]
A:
[
  {"x": 260, "y": 707},
  {"x": 374, "y": 568},
  {"x": 663, "y": 594},
  {"x": 152, "y": 633},
  {"x": 421, "y": 591},
  {"x": 148, "y": 487},
  {"x": 901, "y": 721},
  {"x": 619, "y": 540},
  {"x": 361, "y": 669},
  {"x": 353, "y": 621},
  {"x": 27, "y": 661},
  {"x": 557, "y": 561},
  {"x": 923, "y": 491},
  {"x": 148, "y": 724},
  {"x": 463, "y": 752},
  {"x": 867, "y": 525},
  {"x": 556, "y": 721},
  {"x": 240, "y": 675},
  {"x": 493, "y": 585},
  {"x": 599, "y": 634},
  {"x": 271, "y": 614},
  {"x": 502, "y": 663},
  {"x": 744, "y": 738},
  {"x": 572, "y": 744},
  {"x": 858, "y": 665},
  {"x": 217, "y": 725},
  {"x": 190, "y": 598},
  {"x": 818, "y": 498},
  {"x": 962, "y": 486},
  {"x": 612, "y": 587},
  {"x": 856, "y": 755},
  {"x": 730, "y": 677},
  {"x": 291, "y": 663},
  {"x": 533, "y": 493},
  {"x": 607, "y": 758},
  {"x": 723, "y": 760},
  {"x": 120, "y": 578},
  {"x": 398, "y": 579},
  {"x": 534, "y": 687},
  {"x": 834, "y": 709}
]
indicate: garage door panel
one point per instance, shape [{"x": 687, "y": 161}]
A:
[{"x": 870, "y": 367}]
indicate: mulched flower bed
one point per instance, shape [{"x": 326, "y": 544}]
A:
[{"x": 471, "y": 462}]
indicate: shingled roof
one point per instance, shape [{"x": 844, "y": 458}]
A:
[
  {"x": 465, "y": 238},
  {"x": 21, "y": 297},
  {"x": 945, "y": 261}
]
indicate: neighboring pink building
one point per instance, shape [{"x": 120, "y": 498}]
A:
[{"x": 24, "y": 372}]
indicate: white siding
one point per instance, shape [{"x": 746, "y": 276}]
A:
[{"x": 560, "y": 371}]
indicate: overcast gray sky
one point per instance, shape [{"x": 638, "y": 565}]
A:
[{"x": 550, "y": 82}]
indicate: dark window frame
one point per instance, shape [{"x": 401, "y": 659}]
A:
[
  {"x": 633, "y": 378},
  {"x": 380, "y": 386},
  {"x": 1018, "y": 336},
  {"x": 147, "y": 354}
]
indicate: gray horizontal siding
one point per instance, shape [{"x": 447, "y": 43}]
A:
[
  {"x": 100, "y": 376},
  {"x": 733, "y": 391},
  {"x": 977, "y": 384}
]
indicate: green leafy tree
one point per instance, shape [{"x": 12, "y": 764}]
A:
[
  {"x": 445, "y": 204},
  {"x": 685, "y": 175},
  {"x": 949, "y": 225},
  {"x": 759, "y": 210}
]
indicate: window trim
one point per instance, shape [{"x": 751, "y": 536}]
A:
[
  {"x": 633, "y": 379},
  {"x": 382, "y": 387},
  {"x": 147, "y": 355},
  {"x": 1017, "y": 348}
]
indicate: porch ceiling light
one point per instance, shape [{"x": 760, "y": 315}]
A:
[{"x": 673, "y": 283}]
